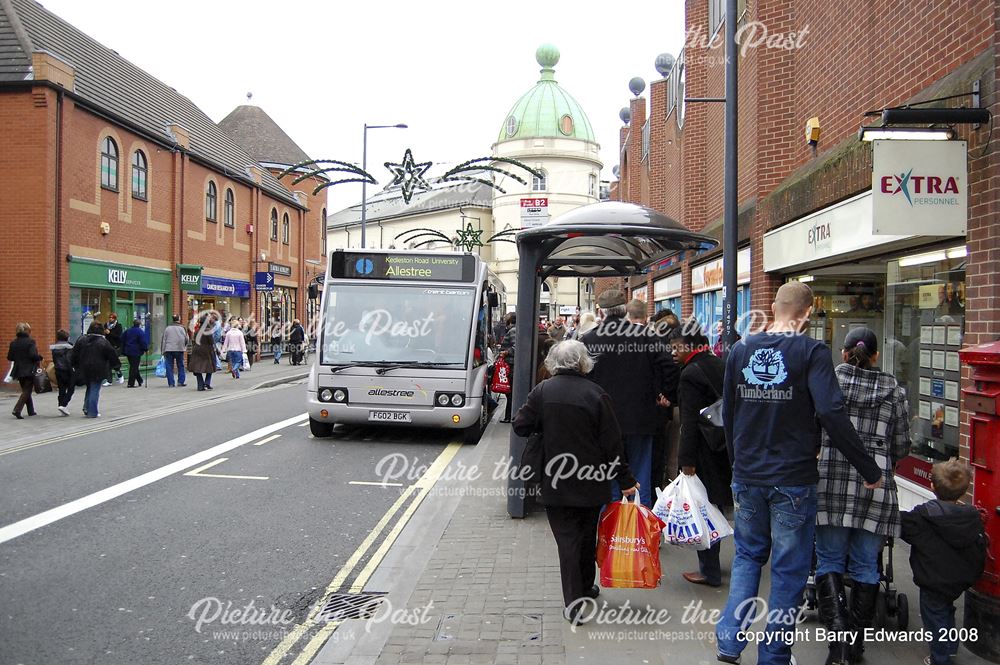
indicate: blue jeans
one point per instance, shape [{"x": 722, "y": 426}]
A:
[
  {"x": 90, "y": 399},
  {"x": 235, "y": 359},
  {"x": 277, "y": 351},
  {"x": 639, "y": 453},
  {"x": 776, "y": 523},
  {"x": 841, "y": 549},
  {"x": 937, "y": 614},
  {"x": 171, "y": 358}
]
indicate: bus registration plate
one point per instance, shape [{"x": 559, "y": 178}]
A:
[{"x": 389, "y": 416}]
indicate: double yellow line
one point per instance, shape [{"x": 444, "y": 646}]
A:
[{"x": 421, "y": 489}]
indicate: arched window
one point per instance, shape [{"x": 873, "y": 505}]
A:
[
  {"x": 109, "y": 164},
  {"x": 274, "y": 224},
  {"x": 538, "y": 182},
  {"x": 211, "y": 199},
  {"x": 229, "y": 218},
  {"x": 285, "y": 230},
  {"x": 140, "y": 170}
]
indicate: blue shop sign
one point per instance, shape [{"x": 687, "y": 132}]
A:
[{"x": 219, "y": 286}]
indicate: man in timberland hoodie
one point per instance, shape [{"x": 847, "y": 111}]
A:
[{"x": 947, "y": 553}]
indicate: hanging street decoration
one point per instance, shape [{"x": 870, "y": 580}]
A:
[
  {"x": 487, "y": 164},
  {"x": 311, "y": 168},
  {"x": 470, "y": 238},
  {"x": 408, "y": 175}
]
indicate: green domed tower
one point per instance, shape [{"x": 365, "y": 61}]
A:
[{"x": 546, "y": 110}]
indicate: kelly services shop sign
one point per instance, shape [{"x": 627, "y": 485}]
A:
[{"x": 919, "y": 188}]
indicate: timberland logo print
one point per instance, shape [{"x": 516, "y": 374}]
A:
[{"x": 764, "y": 373}]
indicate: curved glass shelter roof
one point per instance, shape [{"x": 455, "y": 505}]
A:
[{"x": 608, "y": 239}]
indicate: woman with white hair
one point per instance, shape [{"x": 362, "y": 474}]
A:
[{"x": 579, "y": 431}]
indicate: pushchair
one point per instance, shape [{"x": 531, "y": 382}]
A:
[{"x": 890, "y": 605}]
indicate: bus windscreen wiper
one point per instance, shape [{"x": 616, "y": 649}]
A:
[{"x": 411, "y": 365}]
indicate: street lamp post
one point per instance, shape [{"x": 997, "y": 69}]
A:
[{"x": 364, "y": 167}]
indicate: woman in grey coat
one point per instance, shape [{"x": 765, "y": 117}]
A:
[{"x": 852, "y": 522}]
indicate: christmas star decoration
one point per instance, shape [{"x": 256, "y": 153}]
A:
[
  {"x": 408, "y": 175},
  {"x": 469, "y": 238}
]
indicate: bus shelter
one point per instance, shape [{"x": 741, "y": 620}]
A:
[{"x": 608, "y": 239}]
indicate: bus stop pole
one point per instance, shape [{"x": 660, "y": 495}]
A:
[
  {"x": 730, "y": 228},
  {"x": 528, "y": 292}
]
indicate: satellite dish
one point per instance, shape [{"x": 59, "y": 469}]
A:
[
  {"x": 664, "y": 63},
  {"x": 636, "y": 85},
  {"x": 625, "y": 114}
]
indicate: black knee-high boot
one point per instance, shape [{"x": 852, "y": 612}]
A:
[
  {"x": 863, "y": 597},
  {"x": 834, "y": 615}
]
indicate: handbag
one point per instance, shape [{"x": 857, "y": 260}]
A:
[
  {"x": 41, "y": 381},
  {"x": 501, "y": 378},
  {"x": 710, "y": 420}
]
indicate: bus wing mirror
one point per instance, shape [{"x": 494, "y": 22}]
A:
[{"x": 494, "y": 299}]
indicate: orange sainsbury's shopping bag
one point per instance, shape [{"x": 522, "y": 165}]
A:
[{"x": 628, "y": 546}]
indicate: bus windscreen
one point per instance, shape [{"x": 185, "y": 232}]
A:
[{"x": 406, "y": 323}]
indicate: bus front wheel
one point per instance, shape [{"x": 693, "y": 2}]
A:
[
  {"x": 475, "y": 432},
  {"x": 319, "y": 428}
]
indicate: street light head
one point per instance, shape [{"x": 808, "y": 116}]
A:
[{"x": 401, "y": 126}]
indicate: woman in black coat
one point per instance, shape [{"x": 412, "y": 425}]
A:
[
  {"x": 23, "y": 352},
  {"x": 93, "y": 360},
  {"x": 701, "y": 378},
  {"x": 579, "y": 431}
]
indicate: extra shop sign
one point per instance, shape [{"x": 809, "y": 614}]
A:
[{"x": 919, "y": 188}]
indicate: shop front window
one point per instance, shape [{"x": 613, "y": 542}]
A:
[{"x": 925, "y": 314}]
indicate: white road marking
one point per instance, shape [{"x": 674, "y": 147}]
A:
[
  {"x": 198, "y": 472},
  {"x": 47, "y": 517},
  {"x": 376, "y": 483},
  {"x": 270, "y": 438},
  {"x": 303, "y": 424}
]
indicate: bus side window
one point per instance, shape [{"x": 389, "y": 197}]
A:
[{"x": 482, "y": 333}]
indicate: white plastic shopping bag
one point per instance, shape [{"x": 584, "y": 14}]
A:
[
  {"x": 715, "y": 522},
  {"x": 677, "y": 505}
]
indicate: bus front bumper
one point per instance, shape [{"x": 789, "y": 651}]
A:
[{"x": 417, "y": 416}]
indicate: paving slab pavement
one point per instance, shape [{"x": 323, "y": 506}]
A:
[
  {"x": 119, "y": 404},
  {"x": 487, "y": 590}
]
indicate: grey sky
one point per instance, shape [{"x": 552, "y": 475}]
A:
[{"x": 450, "y": 70}]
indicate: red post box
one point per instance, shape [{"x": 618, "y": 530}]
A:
[{"x": 982, "y": 401}]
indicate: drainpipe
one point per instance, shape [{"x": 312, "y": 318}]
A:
[{"x": 58, "y": 214}]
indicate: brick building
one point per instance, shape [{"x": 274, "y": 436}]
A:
[
  {"x": 119, "y": 194},
  {"x": 805, "y": 212}
]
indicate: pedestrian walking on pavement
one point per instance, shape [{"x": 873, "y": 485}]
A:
[
  {"x": 577, "y": 423},
  {"x": 640, "y": 377},
  {"x": 779, "y": 390},
  {"x": 23, "y": 353},
  {"x": 700, "y": 386},
  {"x": 93, "y": 360},
  {"x": 296, "y": 342},
  {"x": 114, "y": 331},
  {"x": 666, "y": 438},
  {"x": 251, "y": 334},
  {"x": 134, "y": 346},
  {"x": 276, "y": 340},
  {"x": 173, "y": 344},
  {"x": 233, "y": 347},
  {"x": 852, "y": 522},
  {"x": 203, "y": 351},
  {"x": 65, "y": 380}
]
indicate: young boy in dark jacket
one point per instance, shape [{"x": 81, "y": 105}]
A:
[
  {"x": 64, "y": 369},
  {"x": 947, "y": 555}
]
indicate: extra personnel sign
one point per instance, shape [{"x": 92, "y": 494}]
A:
[{"x": 919, "y": 188}]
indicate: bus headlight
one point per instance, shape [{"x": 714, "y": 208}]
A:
[
  {"x": 325, "y": 395},
  {"x": 339, "y": 395},
  {"x": 443, "y": 399},
  {"x": 457, "y": 400}
]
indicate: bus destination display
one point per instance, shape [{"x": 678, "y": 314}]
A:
[{"x": 403, "y": 267}]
